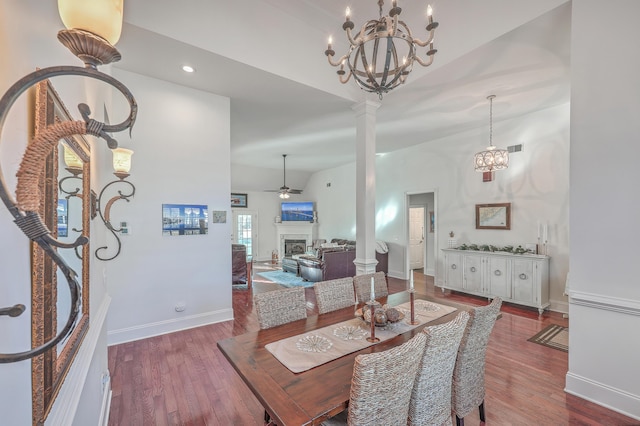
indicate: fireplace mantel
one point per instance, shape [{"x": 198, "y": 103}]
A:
[{"x": 295, "y": 230}]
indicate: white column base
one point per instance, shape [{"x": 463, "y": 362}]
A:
[{"x": 365, "y": 266}]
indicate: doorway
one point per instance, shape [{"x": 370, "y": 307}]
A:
[
  {"x": 421, "y": 232},
  {"x": 416, "y": 237},
  {"x": 245, "y": 230}
]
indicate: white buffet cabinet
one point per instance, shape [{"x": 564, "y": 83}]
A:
[{"x": 515, "y": 278}]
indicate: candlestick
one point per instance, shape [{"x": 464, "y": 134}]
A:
[
  {"x": 413, "y": 320},
  {"x": 372, "y": 337},
  {"x": 411, "y": 281},
  {"x": 373, "y": 290},
  {"x": 545, "y": 233}
]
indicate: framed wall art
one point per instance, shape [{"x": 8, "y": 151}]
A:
[
  {"x": 493, "y": 216},
  {"x": 185, "y": 219},
  {"x": 238, "y": 200}
]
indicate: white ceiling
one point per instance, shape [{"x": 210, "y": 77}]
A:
[{"x": 286, "y": 99}]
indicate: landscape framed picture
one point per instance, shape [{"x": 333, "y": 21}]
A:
[
  {"x": 238, "y": 200},
  {"x": 185, "y": 219},
  {"x": 493, "y": 216}
]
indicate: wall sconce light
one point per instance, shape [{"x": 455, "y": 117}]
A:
[
  {"x": 92, "y": 29},
  {"x": 121, "y": 167},
  {"x": 74, "y": 166}
]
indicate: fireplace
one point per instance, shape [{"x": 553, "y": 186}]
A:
[
  {"x": 294, "y": 237},
  {"x": 293, "y": 247}
]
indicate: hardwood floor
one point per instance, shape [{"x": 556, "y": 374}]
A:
[{"x": 183, "y": 379}]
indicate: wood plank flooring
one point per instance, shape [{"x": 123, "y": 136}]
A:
[{"x": 183, "y": 379}]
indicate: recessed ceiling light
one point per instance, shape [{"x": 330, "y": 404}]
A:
[{"x": 188, "y": 68}]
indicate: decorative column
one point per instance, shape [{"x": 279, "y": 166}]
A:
[{"x": 365, "y": 260}]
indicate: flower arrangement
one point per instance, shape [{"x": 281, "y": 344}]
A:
[{"x": 492, "y": 248}]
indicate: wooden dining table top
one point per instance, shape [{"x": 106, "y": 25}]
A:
[{"x": 312, "y": 396}]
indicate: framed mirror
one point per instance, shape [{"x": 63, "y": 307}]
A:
[{"x": 65, "y": 209}]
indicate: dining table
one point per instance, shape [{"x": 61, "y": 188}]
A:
[{"x": 311, "y": 396}]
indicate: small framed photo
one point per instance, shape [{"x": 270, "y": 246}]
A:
[
  {"x": 238, "y": 200},
  {"x": 219, "y": 216},
  {"x": 493, "y": 216}
]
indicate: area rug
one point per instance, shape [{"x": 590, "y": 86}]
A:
[
  {"x": 553, "y": 336},
  {"x": 287, "y": 279}
]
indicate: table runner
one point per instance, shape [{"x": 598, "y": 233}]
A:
[{"x": 305, "y": 351}]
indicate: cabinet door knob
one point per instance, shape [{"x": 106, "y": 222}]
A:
[
  {"x": 454, "y": 266},
  {"x": 522, "y": 276},
  {"x": 497, "y": 272},
  {"x": 473, "y": 269}
]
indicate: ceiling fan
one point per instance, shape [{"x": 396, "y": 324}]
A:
[{"x": 284, "y": 190}]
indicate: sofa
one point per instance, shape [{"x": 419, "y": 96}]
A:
[{"x": 336, "y": 261}]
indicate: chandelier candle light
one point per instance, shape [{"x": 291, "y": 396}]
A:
[
  {"x": 493, "y": 158},
  {"x": 382, "y": 53}
]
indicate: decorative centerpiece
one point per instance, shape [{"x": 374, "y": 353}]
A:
[{"x": 383, "y": 315}]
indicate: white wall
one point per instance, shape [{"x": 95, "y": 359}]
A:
[
  {"x": 181, "y": 156},
  {"x": 333, "y": 190},
  {"x": 536, "y": 183},
  {"x": 605, "y": 295}
]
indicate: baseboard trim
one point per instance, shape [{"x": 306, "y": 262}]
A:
[
  {"x": 607, "y": 303},
  {"x": 559, "y": 306},
  {"x": 606, "y": 396},
  {"x": 138, "y": 332},
  {"x": 431, "y": 272},
  {"x": 396, "y": 274},
  {"x": 65, "y": 406}
]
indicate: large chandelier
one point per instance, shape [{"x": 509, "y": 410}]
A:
[
  {"x": 493, "y": 158},
  {"x": 382, "y": 53}
]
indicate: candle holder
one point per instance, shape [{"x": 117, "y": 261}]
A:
[
  {"x": 372, "y": 306},
  {"x": 412, "y": 298}
]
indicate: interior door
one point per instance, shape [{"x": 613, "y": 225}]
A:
[
  {"x": 416, "y": 237},
  {"x": 245, "y": 229}
]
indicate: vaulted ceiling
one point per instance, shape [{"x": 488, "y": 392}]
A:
[{"x": 267, "y": 56}]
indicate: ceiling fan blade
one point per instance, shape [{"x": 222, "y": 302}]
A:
[{"x": 295, "y": 191}]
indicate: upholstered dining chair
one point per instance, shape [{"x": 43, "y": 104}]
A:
[
  {"x": 381, "y": 385},
  {"x": 468, "y": 374},
  {"x": 430, "y": 402},
  {"x": 362, "y": 284},
  {"x": 334, "y": 294},
  {"x": 280, "y": 306}
]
